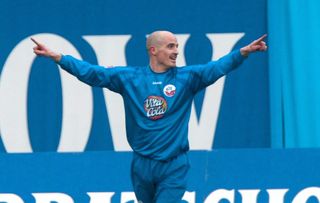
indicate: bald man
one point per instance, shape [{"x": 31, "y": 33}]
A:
[{"x": 157, "y": 100}]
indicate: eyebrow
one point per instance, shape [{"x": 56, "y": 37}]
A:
[{"x": 172, "y": 43}]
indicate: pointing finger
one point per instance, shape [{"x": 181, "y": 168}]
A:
[
  {"x": 37, "y": 43},
  {"x": 261, "y": 38}
]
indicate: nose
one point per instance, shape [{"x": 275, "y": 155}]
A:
[{"x": 176, "y": 50}]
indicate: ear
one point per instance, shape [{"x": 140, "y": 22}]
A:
[{"x": 153, "y": 50}]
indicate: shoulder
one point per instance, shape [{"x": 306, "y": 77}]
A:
[
  {"x": 128, "y": 72},
  {"x": 126, "y": 69},
  {"x": 191, "y": 68}
]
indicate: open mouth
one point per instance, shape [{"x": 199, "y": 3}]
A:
[{"x": 173, "y": 58}]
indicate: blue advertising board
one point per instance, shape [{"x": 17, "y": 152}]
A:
[
  {"x": 230, "y": 176},
  {"x": 42, "y": 108}
]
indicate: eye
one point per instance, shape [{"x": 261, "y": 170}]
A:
[{"x": 172, "y": 45}]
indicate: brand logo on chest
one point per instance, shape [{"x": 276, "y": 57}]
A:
[
  {"x": 155, "y": 107},
  {"x": 157, "y": 83}
]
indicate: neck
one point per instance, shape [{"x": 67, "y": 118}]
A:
[{"x": 158, "y": 68}]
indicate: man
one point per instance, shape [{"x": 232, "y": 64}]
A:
[{"x": 157, "y": 100}]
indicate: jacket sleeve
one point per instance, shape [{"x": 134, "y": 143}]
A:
[
  {"x": 93, "y": 75},
  {"x": 206, "y": 74}
]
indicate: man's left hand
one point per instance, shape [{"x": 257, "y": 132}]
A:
[{"x": 256, "y": 45}]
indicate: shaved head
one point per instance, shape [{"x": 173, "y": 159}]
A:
[
  {"x": 162, "y": 47},
  {"x": 156, "y": 38}
]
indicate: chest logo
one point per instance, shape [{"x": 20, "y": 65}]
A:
[
  {"x": 169, "y": 90},
  {"x": 155, "y": 107}
]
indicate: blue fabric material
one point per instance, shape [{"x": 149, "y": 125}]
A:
[
  {"x": 157, "y": 105},
  {"x": 160, "y": 181},
  {"x": 294, "y": 30}
]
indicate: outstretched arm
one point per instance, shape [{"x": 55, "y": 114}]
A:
[
  {"x": 256, "y": 45},
  {"x": 42, "y": 50},
  {"x": 207, "y": 74},
  {"x": 93, "y": 75}
]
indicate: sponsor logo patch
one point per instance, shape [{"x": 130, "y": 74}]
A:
[{"x": 155, "y": 107}]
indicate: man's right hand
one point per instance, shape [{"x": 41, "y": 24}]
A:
[{"x": 42, "y": 50}]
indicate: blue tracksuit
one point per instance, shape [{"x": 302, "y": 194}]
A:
[{"x": 157, "y": 105}]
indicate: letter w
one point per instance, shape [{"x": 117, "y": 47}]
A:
[{"x": 202, "y": 130}]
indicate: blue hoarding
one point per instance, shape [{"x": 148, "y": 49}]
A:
[{"x": 233, "y": 176}]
